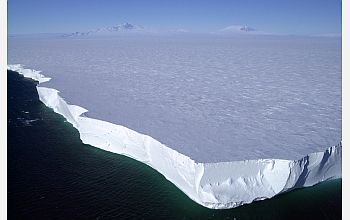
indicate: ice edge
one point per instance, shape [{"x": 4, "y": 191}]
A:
[{"x": 221, "y": 185}]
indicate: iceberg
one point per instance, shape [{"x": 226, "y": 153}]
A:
[{"x": 218, "y": 185}]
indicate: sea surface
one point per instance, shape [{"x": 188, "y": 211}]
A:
[{"x": 51, "y": 174}]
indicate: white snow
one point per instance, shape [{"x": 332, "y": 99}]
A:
[
  {"x": 239, "y": 30},
  {"x": 33, "y": 74},
  {"x": 226, "y": 127}
]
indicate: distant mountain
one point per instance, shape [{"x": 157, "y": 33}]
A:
[
  {"x": 128, "y": 29},
  {"x": 179, "y": 31},
  {"x": 247, "y": 29},
  {"x": 131, "y": 30},
  {"x": 238, "y": 30},
  {"x": 123, "y": 29}
]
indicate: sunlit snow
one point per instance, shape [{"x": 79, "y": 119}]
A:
[{"x": 228, "y": 121}]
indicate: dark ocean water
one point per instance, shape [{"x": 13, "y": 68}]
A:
[{"x": 51, "y": 174}]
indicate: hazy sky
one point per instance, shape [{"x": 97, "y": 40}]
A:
[{"x": 307, "y": 17}]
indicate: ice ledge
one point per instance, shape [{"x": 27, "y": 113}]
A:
[
  {"x": 29, "y": 73},
  {"x": 214, "y": 185}
]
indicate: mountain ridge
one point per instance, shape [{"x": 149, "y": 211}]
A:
[
  {"x": 122, "y": 28},
  {"x": 129, "y": 29}
]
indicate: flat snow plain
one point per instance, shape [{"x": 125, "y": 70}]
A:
[
  {"x": 228, "y": 121},
  {"x": 212, "y": 99}
]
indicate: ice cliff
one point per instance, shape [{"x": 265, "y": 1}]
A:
[{"x": 221, "y": 185}]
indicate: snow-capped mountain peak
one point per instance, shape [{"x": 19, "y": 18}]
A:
[
  {"x": 247, "y": 29},
  {"x": 125, "y": 28},
  {"x": 238, "y": 28}
]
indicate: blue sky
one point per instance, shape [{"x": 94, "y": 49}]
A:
[{"x": 306, "y": 17}]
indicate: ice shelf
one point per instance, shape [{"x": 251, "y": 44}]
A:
[{"x": 220, "y": 185}]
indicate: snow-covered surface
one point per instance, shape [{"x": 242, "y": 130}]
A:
[
  {"x": 213, "y": 100},
  {"x": 227, "y": 122}
]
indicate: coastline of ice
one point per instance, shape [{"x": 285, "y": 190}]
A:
[
  {"x": 209, "y": 99},
  {"x": 219, "y": 185}
]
